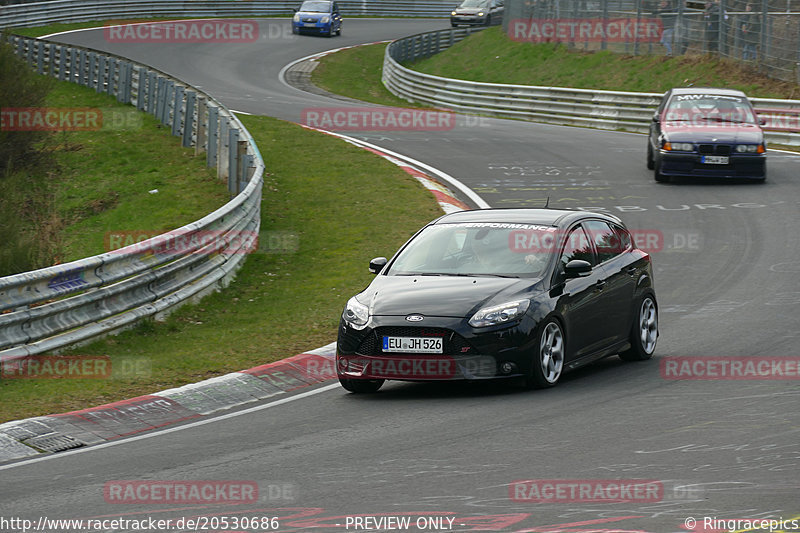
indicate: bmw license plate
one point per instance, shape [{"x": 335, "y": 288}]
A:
[
  {"x": 714, "y": 159},
  {"x": 412, "y": 344}
]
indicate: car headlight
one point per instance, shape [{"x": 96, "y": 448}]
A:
[
  {"x": 481, "y": 14},
  {"x": 355, "y": 314},
  {"x": 453, "y": 13},
  {"x": 679, "y": 147},
  {"x": 325, "y": 20},
  {"x": 296, "y": 17},
  {"x": 750, "y": 148},
  {"x": 499, "y": 314}
]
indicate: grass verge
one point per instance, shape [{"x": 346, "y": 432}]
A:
[
  {"x": 356, "y": 72},
  {"x": 546, "y": 65},
  {"x": 99, "y": 181},
  {"x": 343, "y": 204}
]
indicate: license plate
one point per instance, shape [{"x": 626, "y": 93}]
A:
[
  {"x": 310, "y": 24},
  {"x": 715, "y": 159},
  {"x": 412, "y": 344}
]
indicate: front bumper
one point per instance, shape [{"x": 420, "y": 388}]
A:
[
  {"x": 469, "y": 20},
  {"x": 468, "y": 353},
  {"x": 745, "y": 166},
  {"x": 313, "y": 27}
]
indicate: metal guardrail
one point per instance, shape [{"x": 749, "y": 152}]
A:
[
  {"x": 61, "y": 305},
  {"x": 630, "y": 111},
  {"x": 38, "y": 13}
]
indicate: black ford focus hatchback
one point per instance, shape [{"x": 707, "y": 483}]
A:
[{"x": 500, "y": 293}]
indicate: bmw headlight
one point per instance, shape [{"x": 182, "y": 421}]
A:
[
  {"x": 355, "y": 314},
  {"x": 325, "y": 20},
  {"x": 679, "y": 147},
  {"x": 750, "y": 148},
  {"x": 499, "y": 314},
  {"x": 296, "y": 17}
]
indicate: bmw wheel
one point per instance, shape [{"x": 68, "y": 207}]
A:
[
  {"x": 549, "y": 361},
  {"x": 361, "y": 386},
  {"x": 644, "y": 332}
]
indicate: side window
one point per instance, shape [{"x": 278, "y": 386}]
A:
[
  {"x": 606, "y": 240},
  {"x": 625, "y": 240},
  {"x": 576, "y": 246}
]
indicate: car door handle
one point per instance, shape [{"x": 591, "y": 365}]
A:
[
  {"x": 600, "y": 284},
  {"x": 631, "y": 270}
]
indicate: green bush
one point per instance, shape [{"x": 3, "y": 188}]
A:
[{"x": 20, "y": 87}]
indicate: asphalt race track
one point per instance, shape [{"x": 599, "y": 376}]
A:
[{"x": 726, "y": 262}]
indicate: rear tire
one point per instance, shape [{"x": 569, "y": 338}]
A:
[
  {"x": 549, "y": 361},
  {"x": 361, "y": 386},
  {"x": 644, "y": 331}
]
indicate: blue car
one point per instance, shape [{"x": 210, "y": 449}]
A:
[{"x": 319, "y": 17}]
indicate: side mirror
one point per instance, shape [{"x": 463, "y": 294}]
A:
[
  {"x": 294, "y": 10},
  {"x": 377, "y": 264},
  {"x": 656, "y": 118},
  {"x": 577, "y": 268},
  {"x": 762, "y": 121}
]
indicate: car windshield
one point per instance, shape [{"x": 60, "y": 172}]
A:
[
  {"x": 478, "y": 249},
  {"x": 709, "y": 108},
  {"x": 474, "y": 3},
  {"x": 316, "y": 6}
]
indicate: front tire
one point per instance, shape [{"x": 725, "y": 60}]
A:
[
  {"x": 361, "y": 386},
  {"x": 549, "y": 362},
  {"x": 644, "y": 331},
  {"x": 651, "y": 165}
]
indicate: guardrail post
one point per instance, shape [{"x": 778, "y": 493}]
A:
[
  {"x": 152, "y": 80},
  {"x": 241, "y": 160},
  {"x": 62, "y": 63},
  {"x": 233, "y": 160},
  {"x": 166, "y": 112},
  {"x": 222, "y": 152},
  {"x": 142, "y": 88},
  {"x": 91, "y": 80},
  {"x": 213, "y": 136},
  {"x": 188, "y": 119},
  {"x": 177, "y": 112},
  {"x": 40, "y": 57},
  {"x": 112, "y": 76},
  {"x": 101, "y": 74},
  {"x": 202, "y": 126},
  {"x": 124, "y": 83},
  {"x": 159, "y": 100},
  {"x": 73, "y": 64}
]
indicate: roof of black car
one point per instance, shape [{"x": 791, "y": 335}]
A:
[
  {"x": 707, "y": 90},
  {"x": 546, "y": 217}
]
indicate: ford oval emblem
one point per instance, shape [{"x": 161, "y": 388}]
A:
[{"x": 415, "y": 318}]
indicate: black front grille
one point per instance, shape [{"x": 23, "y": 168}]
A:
[
  {"x": 716, "y": 149},
  {"x": 452, "y": 343},
  {"x": 309, "y": 20}
]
